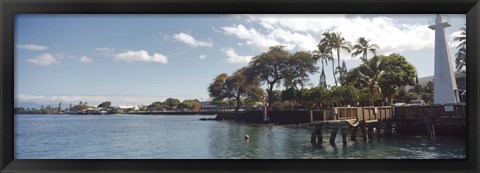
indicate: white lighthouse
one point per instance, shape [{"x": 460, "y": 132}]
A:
[{"x": 445, "y": 86}]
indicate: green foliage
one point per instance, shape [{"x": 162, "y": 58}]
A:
[
  {"x": 362, "y": 47},
  {"x": 156, "y": 106},
  {"x": 345, "y": 95},
  {"x": 398, "y": 73},
  {"x": 278, "y": 66},
  {"x": 331, "y": 41},
  {"x": 105, "y": 105},
  {"x": 319, "y": 96},
  {"x": 79, "y": 107},
  {"x": 238, "y": 86},
  {"x": 406, "y": 96},
  {"x": 171, "y": 102},
  {"x": 301, "y": 64},
  {"x": 323, "y": 54},
  {"x": 369, "y": 75},
  {"x": 461, "y": 58},
  {"x": 188, "y": 103}
]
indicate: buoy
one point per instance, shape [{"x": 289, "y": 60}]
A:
[{"x": 247, "y": 137}]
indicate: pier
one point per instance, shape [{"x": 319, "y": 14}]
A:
[{"x": 366, "y": 120}]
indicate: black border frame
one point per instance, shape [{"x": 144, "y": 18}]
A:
[{"x": 8, "y": 9}]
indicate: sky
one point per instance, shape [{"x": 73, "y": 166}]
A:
[{"x": 138, "y": 59}]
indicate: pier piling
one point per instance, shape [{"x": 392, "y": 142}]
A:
[
  {"x": 364, "y": 131},
  {"x": 370, "y": 132},
  {"x": 319, "y": 133},
  {"x": 354, "y": 134},
  {"x": 333, "y": 135},
  {"x": 313, "y": 138},
  {"x": 431, "y": 130},
  {"x": 344, "y": 136}
]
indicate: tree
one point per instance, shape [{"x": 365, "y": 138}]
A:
[
  {"x": 188, "y": 103},
  {"x": 216, "y": 89},
  {"x": 79, "y": 107},
  {"x": 59, "y": 108},
  {"x": 106, "y": 104},
  {"x": 323, "y": 54},
  {"x": 171, "y": 102},
  {"x": 370, "y": 73},
  {"x": 335, "y": 40},
  {"x": 318, "y": 95},
  {"x": 343, "y": 73},
  {"x": 156, "y": 106},
  {"x": 292, "y": 95},
  {"x": 326, "y": 43},
  {"x": 278, "y": 66},
  {"x": 242, "y": 86},
  {"x": 362, "y": 47},
  {"x": 238, "y": 86},
  {"x": 345, "y": 95},
  {"x": 461, "y": 58},
  {"x": 271, "y": 68},
  {"x": 398, "y": 73},
  {"x": 301, "y": 64}
]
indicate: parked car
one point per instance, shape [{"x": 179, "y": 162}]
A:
[
  {"x": 416, "y": 103},
  {"x": 399, "y": 104}
]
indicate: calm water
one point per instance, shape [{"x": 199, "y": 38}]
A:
[{"x": 185, "y": 137}]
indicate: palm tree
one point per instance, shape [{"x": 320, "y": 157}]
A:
[
  {"x": 369, "y": 74},
  {"x": 461, "y": 59},
  {"x": 327, "y": 43},
  {"x": 323, "y": 54},
  {"x": 337, "y": 42},
  {"x": 462, "y": 38},
  {"x": 363, "y": 47}
]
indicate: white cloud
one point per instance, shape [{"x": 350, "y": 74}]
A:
[
  {"x": 451, "y": 42},
  {"x": 203, "y": 56},
  {"x": 32, "y": 47},
  {"x": 131, "y": 55},
  {"x": 303, "y": 32},
  {"x": 141, "y": 55},
  {"x": 105, "y": 51},
  {"x": 188, "y": 39},
  {"x": 251, "y": 36},
  {"x": 45, "y": 59},
  {"x": 233, "y": 57},
  {"x": 85, "y": 59}
]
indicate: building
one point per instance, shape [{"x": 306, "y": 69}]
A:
[
  {"x": 208, "y": 106},
  {"x": 460, "y": 79}
]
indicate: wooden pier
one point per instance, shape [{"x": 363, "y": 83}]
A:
[
  {"x": 367, "y": 119},
  {"x": 379, "y": 121}
]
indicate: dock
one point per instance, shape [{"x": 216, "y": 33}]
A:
[
  {"x": 422, "y": 120},
  {"x": 367, "y": 120}
]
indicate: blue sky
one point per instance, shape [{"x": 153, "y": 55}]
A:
[{"x": 138, "y": 59}]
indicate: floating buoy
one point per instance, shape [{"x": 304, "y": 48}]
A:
[{"x": 247, "y": 137}]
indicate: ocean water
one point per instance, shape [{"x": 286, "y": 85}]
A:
[{"x": 186, "y": 137}]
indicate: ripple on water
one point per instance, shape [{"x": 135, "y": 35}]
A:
[{"x": 184, "y": 137}]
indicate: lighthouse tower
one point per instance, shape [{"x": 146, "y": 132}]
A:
[{"x": 445, "y": 86}]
